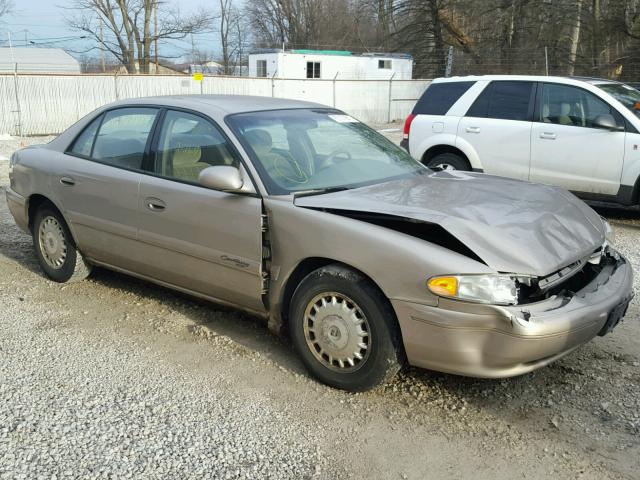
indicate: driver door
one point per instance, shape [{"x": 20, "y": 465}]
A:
[{"x": 196, "y": 238}]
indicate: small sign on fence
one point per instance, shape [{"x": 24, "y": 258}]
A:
[{"x": 198, "y": 77}]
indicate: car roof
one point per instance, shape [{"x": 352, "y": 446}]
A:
[
  {"x": 534, "y": 78},
  {"x": 220, "y": 105}
]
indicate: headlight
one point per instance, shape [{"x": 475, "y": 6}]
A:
[
  {"x": 609, "y": 234},
  {"x": 494, "y": 288}
]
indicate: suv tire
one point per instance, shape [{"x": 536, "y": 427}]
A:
[{"x": 448, "y": 161}]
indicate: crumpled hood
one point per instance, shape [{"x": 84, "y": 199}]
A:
[{"x": 513, "y": 226}]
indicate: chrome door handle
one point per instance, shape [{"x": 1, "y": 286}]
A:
[
  {"x": 155, "y": 204},
  {"x": 548, "y": 136},
  {"x": 473, "y": 129},
  {"x": 67, "y": 181}
]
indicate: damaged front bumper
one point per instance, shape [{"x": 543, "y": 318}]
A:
[{"x": 494, "y": 341}]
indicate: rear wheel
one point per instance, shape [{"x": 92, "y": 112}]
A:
[
  {"x": 55, "y": 249},
  {"x": 344, "y": 329},
  {"x": 448, "y": 161}
]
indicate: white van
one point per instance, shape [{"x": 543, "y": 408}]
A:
[{"x": 577, "y": 133}]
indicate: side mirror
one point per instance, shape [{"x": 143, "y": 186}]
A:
[
  {"x": 224, "y": 178},
  {"x": 607, "y": 122}
]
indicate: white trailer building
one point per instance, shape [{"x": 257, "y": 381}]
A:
[{"x": 330, "y": 64}]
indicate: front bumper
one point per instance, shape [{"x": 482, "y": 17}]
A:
[
  {"x": 18, "y": 207},
  {"x": 492, "y": 341}
]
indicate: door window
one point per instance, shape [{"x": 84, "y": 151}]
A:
[
  {"x": 505, "y": 100},
  {"x": 123, "y": 135},
  {"x": 188, "y": 144},
  {"x": 567, "y": 105}
]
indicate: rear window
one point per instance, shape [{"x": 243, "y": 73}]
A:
[{"x": 440, "y": 97}]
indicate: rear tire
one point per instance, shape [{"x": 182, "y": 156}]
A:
[
  {"x": 55, "y": 248},
  {"x": 448, "y": 161},
  {"x": 344, "y": 329}
]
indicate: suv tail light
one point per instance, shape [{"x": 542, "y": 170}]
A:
[{"x": 407, "y": 126}]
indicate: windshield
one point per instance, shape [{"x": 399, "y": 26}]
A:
[
  {"x": 298, "y": 150},
  {"x": 628, "y": 96}
]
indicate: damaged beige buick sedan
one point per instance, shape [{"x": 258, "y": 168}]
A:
[{"x": 299, "y": 214}]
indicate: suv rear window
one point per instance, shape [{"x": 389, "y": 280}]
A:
[
  {"x": 505, "y": 100},
  {"x": 438, "y": 98}
]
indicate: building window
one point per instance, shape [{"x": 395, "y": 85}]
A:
[
  {"x": 261, "y": 68},
  {"x": 384, "y": 64},
  {"x": 313, "y": 69}
]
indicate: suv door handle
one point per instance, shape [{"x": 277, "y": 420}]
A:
[
  {"x": 67, "y": 181},
  {"x": 548, "y": 136},
  {"x": 473, "y": 129},
  {"x": 155, "y": 204}
]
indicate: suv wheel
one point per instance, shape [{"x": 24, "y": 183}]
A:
[
  {"x": 448, "y": 161},
  {"x": 344, "y": 329},
  {"x": 55, "y": 249}
]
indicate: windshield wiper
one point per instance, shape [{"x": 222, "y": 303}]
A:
[{"x": 318, "y": 191}]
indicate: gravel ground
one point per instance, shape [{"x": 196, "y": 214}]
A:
[{"x": 114, "y": 377}]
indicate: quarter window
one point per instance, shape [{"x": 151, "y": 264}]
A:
[
  {"x": 84, "y": 143},
  {"x": 567, "y": 105},
  {"x": 123, "y": 136},
  {"x": 508, "y": 100},
  {"x": 313, "y": 69},
  {"x": 188, "y": 144},
  {"x": 440, "y": 97}
]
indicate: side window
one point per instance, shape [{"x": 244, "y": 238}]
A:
[
  {"x": 567, "y": 105},
  {"x": 84, "y": 142},
  {"x": 188, "y": 144},
  {"x": 504, "y": 100},
  {"x": 123, "y": 136},
  {"x": 313, "y": 69},
  {"x": 438, "y": 98}
]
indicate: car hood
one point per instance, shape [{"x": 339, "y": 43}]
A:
[{"x": 513, "y": 226}]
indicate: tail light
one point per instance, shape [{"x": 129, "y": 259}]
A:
[{"x": 407, "y": 126}]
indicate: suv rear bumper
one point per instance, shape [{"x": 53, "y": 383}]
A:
[{"x": 492, "y": 341}]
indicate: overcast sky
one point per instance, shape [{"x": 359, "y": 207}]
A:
[{"x": 44, "y": 21}]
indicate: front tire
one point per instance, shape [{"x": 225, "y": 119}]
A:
[
  {"x": 55, "y": 248},
  {"x": 344, "y": 329}
]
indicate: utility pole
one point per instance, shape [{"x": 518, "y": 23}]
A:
[
  {"x": 102, "y": 46},
  {"x": 193, "y": 50},
  {"x": 155, "y": 33}
]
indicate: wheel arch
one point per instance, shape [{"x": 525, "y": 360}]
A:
[
  {"x": 301, "y": 270},
  {"x": 35, "y": 201},
  {"x": 439, "y": 149}
]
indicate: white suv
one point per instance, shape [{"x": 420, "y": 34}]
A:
[{"x": 577, "y": 133}]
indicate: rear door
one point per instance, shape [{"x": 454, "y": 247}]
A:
[
  {"x": 96, "y": 182},
  {"x": 498, "y": 127},
  {"x": 567, "y": 150},
  {"x": 204, "y": 240}
]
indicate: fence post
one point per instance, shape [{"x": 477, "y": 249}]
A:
[
  {"x": 273, "y": 83},
  {"x": 449, "y": 68},
  {"x": 77, "y": 97},
  {"x": 389, "y": 107},
  {"x": 115, "y": 85},
  {"x": 334, "y": 88},
  {"x": 15, "y": 87}
]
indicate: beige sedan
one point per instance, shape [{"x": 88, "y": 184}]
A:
[{"x": 303, "y": 216}]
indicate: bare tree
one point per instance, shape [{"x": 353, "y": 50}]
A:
[
  {"x": 6, "y": 6},
  {"x": 128, "y": 24},
  {"x": 233, "y": 36}
]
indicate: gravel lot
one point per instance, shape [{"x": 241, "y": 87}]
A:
[{"x": 113, "y": 377}]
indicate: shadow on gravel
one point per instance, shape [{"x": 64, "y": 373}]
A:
[{"x": 210, "y": 319}]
